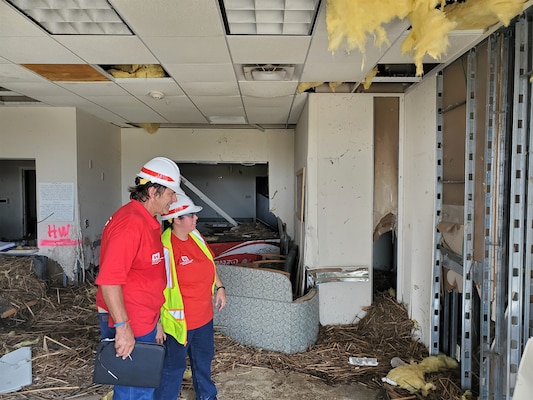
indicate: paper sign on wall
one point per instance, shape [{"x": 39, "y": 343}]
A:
[{"x": 56, "y": 201}]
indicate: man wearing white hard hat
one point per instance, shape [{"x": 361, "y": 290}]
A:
[
  {"x": 132, "y": 278},
  {"x": 187, "y": 315}
]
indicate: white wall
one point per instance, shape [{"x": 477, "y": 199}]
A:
[
  {"x": 99, "y": 189},
  {"x": 276, "y": 147},
  {"x": 47, "y": 135},
  {"x": 301, "y": 138},
  {"x": 416, "y": 204},
  {"x": 340, "y": 198}
]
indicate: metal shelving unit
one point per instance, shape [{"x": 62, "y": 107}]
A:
[
  {"x": 503, "y": 277},
  {"x": 517, "y": 205},
  {"x": 438, "y": 258},
  {"x": 468, "y": 243}
]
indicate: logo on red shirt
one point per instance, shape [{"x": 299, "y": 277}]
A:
[
  {"x": 156, "y": 258},
  {"x": 185, "y": 260}
]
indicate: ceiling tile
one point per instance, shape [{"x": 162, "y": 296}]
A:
[
  {"x": 93, "y": 88},
  {"x": 104, "y": 114},
  {"x": 214, "y": 101},
  {"x": 268, "y": 49},
  {"x": 36, "y": 50},
  {"x": 267, "y": 111},
  {"x": 16, "y": 73},
  {"x": 171, "y": 17},
  {"x": 13, "y": 23},
  {"x": 179, "y": 109},
  {"x": 268, "y": 89},
  {"x": 36, "y": 89},
  {"x": 136, "y": 113},
  {"x": 70, "y": 100},
  {"x": 201, "y": 72},
  {"x": 96, "y": 49},
  {"x": 189, "y": 50},
  {"x": 211, "y": 88},
  {"x": 142, "y": 87}
]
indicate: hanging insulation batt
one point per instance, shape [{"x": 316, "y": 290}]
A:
[
  {"x": 350, "y": 22},
  {"x": 480, "y": 14},
  {"x": 428, "y": 34}
]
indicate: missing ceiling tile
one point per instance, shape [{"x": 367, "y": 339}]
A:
[
  {"x": 67, "y": 72},
  {"x": 135, "y": 71}
]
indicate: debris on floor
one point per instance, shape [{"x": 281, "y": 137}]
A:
[{"x": 62, "y": 330}]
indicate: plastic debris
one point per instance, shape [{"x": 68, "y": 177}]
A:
[{"x": 363, "y": 361}]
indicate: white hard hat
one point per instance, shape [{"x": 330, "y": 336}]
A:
[
  {"x": 163, "y": 171},
  {"x": 183, "y": 206}
]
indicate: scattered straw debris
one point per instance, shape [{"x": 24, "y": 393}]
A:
[
  {"x": 62, "y": 329},
  {"x": 384, "y": 333}
]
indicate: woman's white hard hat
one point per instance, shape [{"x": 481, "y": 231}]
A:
[
  {"x": 183, "y": 206},
  {"x": 163, "y": 171}
]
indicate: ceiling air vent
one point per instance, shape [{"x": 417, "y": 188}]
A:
[{"x": 268, "y": 72}]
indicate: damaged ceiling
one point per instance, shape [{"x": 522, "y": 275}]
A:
[{"x": 237, "y": 63}]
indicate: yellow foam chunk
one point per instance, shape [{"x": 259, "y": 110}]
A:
[{"x": 411, "y": 376}]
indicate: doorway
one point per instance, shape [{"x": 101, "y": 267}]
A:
[
  {"x": 30, "y": 205},
  {"x": 18, "y": 201}
]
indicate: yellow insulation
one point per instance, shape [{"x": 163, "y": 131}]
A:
[
  {"x": 350, "y": 23},
  {"x": 480, "y": 14},
  {"x": 303, "y": 86},
  {"x": 334, "y": 85},
  {"x": 149, "y": 127},
  {"x": 411, "y": 376},
  {"x": 428, "y": 34},
  {"x": 367, "y": 82}
]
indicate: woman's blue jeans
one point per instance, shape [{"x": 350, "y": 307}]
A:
[
  {"x": 200, "y": 348},
  {"x": 127, "y": 392}
]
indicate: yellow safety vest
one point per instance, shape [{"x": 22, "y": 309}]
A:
[{"x": 172, "y": 314}]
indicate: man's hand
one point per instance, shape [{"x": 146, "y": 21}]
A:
[{"x": 124, "y": 341}]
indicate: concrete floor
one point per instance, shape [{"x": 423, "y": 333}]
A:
[{"x": 253, "y": 383}]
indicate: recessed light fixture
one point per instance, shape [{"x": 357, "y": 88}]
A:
[
  {"x": 269, "y": 17},
  {"x": 74, "y": 17}
]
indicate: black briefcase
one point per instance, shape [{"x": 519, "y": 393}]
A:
[{"x": 142, "y": 368}]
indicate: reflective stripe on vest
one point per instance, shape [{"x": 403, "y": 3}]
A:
[
  {"x": 177, "y": 314},
  {"x": 172, "y": 313}
]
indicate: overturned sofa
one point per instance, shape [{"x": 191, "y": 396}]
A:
[{"x": 261, "y": 311}]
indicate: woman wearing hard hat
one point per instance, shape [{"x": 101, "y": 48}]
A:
[
  {"x": 131, "y": 278},
  {"x": 187, "y": 315}
]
